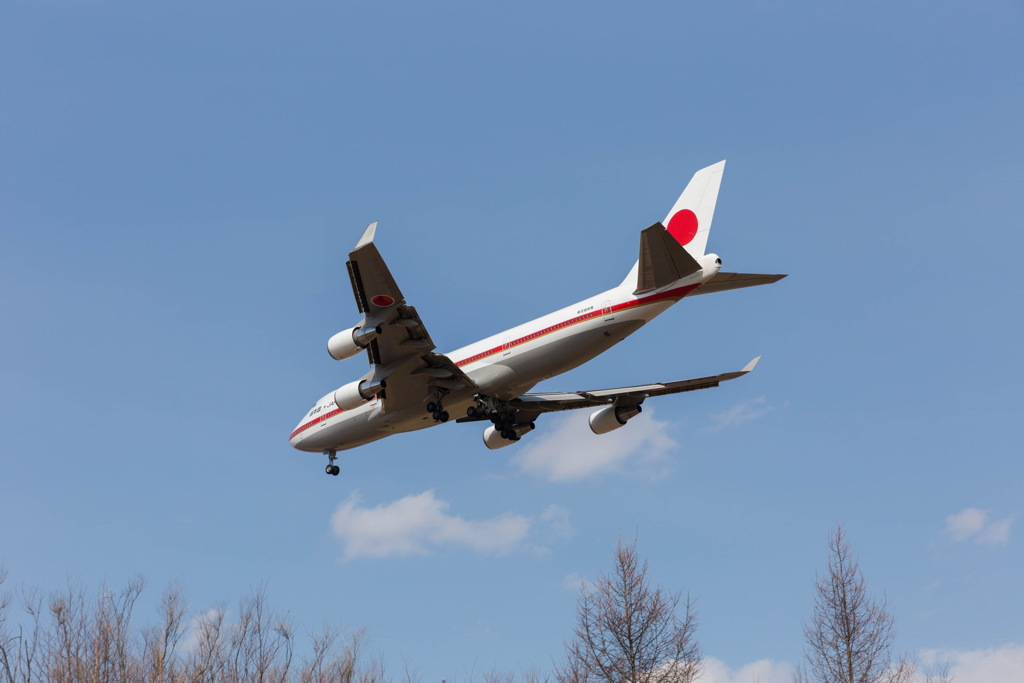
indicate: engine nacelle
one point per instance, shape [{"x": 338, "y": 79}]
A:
[
  {"x": 355, "y": 394},
  {"x": 494, "y": 440},
  {"x": 612, "y": 417},
  {"x": 348, "y": 343}
]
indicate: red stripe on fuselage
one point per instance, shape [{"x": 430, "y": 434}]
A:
[
  {"x": 677, "y": 294},
  {"x": 316, "y": 420}
]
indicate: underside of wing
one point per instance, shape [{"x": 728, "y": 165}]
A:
[
  {"x": 422, "y": 378},
  {"x": 551, "y": 402},
  {"x": 380, "y": 300},
  {"x": 401, "y": 354}
]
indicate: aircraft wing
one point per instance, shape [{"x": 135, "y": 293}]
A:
[
  {"x": 545, "y": 403},
  {"x": 402, "y": 354}
]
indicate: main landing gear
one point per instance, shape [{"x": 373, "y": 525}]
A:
[
  {"x": 332, "y": 469},
  {"x": 437, "y": 411},
  {"x": 505, "y": 421}
]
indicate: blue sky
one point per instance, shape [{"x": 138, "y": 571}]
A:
[{"x": 180, "y": 184}]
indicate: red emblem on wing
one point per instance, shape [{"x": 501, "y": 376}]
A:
[
  {"x": 382, "y": 300},
  {"x": 683, "y": 226}
]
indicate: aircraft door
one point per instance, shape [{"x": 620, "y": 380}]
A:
[{"x": 607, "y": 310}]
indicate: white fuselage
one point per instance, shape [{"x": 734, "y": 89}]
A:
[{"x": 508, "y": 364}]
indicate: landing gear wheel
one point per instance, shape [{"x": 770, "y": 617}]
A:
[
  {"x": 444, "y": 416},
  {"x": 433, "y": 407},
  {"x": 331, "y": 468},
  {"x": 471, "y": 411}
]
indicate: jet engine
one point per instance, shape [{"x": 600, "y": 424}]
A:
[
  {"x": 612, "y": 417},
  {"x": 494, "y": 440},
  {"x": 348, "y": 343},
  {"x": 354, "y": 394}
]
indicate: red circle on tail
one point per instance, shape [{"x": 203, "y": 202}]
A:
[
  {"x": 382, "y": 300},
  {"x": 683, "y": 226}
]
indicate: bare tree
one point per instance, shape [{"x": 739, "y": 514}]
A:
[
  {"x": 260, "y": 644},
  {"x": 326, "y": 664},
  {"x": 206, "y": 656},
  {"x": 938, "y": 673},
  {"x": 19, "y": 653},
  {"x": 849, "y": 639},
  {"x": 66, "y": 648},
  {"x": 628, "y": 633},
  {"x": 160, "y": 644},
  {"x": 68, "y": 637},
  {"x": 10, "y": 644}
]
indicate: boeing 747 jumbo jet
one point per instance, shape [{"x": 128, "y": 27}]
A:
[{"x": 410, "y": 387}]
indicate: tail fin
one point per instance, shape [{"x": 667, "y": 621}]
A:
[
  {"x": 689, "y": 221},
  {"x": 662, "y": 260}
]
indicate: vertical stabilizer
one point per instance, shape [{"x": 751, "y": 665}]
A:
[
  {"x": 662, "y": 261},
  {"x": 689, "y": 221}
]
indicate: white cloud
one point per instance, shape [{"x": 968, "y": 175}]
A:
[
  {"x": 571, "y": 451},
  {"x": 761, "y": 671},
  {"x": 1003, "y": 664},
  {"x": 418, "y": 524},
  {"x": 740, "y": 413},
  {"x": 557, "y": 519},
  {"x": 965, "y": 523},
  {"x": 973, "y": 523},
  {"x": 576, "y": 582},
  {"x": 996, "y": 532}
]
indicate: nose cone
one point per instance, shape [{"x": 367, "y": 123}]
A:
[
  {"x": 299, "y": 434},
  {"x": 296, "y": 438},
  {"x": 309, "y": 434}
]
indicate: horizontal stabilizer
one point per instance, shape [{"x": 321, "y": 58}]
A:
[{"x": 725, "y": 281}]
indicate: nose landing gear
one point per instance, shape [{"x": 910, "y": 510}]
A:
[{"x": 331, "y": 468}]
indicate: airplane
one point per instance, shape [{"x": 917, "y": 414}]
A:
[{"x": 409, "y": 386}]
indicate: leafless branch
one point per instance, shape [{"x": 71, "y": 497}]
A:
[
  {"x": 627, "y": 632},
  {"x": 850, "y": 636}
]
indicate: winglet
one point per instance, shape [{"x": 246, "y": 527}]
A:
[
  {"x": 750, "y": 366},
  {"x": 367, "y": 237}
]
